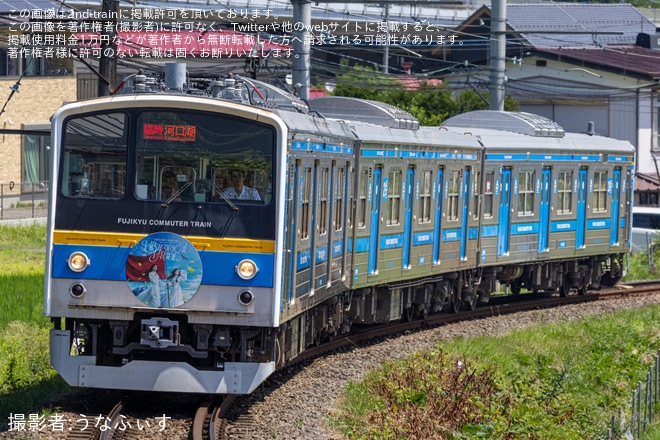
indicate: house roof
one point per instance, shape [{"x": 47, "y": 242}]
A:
[
  {"x": 630, "y": 59},
  {"x": 646, "y": 182},
  {"x": 413, "y": 83},
  {"x": 570, "y": 24},
  {"x": 596, "y": 36},
  {"x": 535, "y": 21}
]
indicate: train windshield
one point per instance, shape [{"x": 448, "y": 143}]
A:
[
  {"x": 180, "y": 156},
  {"x": 95, "y": 155}
]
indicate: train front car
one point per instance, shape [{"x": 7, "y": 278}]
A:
[{"x": 163, "y": 265}]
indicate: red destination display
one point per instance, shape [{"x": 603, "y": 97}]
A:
[{"x": 179, "y": 133}]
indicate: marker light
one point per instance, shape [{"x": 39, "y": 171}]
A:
[
  {"x": 77, "y": 290},
  {"x": 247, "y": 269},
  {"x": 246, "y": 297},
  {"x": 78, "y": 261}
]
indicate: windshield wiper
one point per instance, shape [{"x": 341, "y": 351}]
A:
[
  {"x": 224, "y": 197},
  {"x": 173, "y": 197}
]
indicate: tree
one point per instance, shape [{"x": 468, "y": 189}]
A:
[
  {"x": 430, "y": 104},
  {"x": 470, "y": 100}
]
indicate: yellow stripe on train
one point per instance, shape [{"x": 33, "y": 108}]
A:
[{"x": 130, "y": 240}]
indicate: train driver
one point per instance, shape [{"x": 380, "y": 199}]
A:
[
  {"x": 169, "y": 186},
  {"x": 238, "y": 190}
]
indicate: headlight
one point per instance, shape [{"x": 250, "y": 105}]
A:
[
  {"x": 247, "y": 269},
  {"x": 78, "y": 261}
]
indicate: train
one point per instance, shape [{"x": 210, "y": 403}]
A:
[{"x": 203, "y": 234}]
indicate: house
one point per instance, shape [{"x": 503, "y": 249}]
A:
[
  {"x": 647, "y": 189},
  {"x": 589, "y": 67},
  {"x": 36, "y": 76}
]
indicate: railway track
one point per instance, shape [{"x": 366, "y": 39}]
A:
[
  {"x": 219, "y": 418},
  {"x": 99, "y": 419},
  {"x": 210, "y": 422}
]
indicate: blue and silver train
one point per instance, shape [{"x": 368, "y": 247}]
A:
[{"x": 201, "y": 238}]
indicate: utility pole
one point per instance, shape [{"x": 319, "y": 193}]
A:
[
  {"x": 386, "y": 49},
  {"x": 302, "y": 13},
  {"x": 108, "y": 59},
  {"x": 497, "y": 54}
]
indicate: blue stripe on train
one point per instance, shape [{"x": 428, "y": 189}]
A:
[{"x": 109, "y": 263}]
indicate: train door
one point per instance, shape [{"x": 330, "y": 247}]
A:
[
  {"x": 503, "y": 227},
  {"x": 305, "y": 235},
  {"x": 331, "y": 230},
  {"x": 616, "y": 197},
  {"x": 465, "y": 194},
  {"x": 437, "y": 232},
  {"x": 375, "y": 222},
  {"x": 312, "y": 236},
  {"x": 544, "y": 210},
  {"x": 349, "y": 220},
  {"x": 581, "y": 209},
  {"x": 322, "y": 234},
  {"x": 292, "y": 224},
  {"x": 339, "y": 227},
  {"x": 407, "y": 225}
]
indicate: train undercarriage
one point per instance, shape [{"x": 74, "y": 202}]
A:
[
  {"x": 450, "y": 293},
  {"x": 589, "y": 273}
]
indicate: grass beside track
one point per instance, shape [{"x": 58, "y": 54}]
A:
[
  {"x": 557, "y": 381},
  {"x": 27, "y": 380}
]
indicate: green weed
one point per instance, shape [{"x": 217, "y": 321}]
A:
[
  {"x": 26, "y": 377},
  {"x": 549, "y": 382},
  {"x": 27, "y": 380}
]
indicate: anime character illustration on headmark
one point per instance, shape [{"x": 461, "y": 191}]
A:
[{"x": 164, "y": 270}]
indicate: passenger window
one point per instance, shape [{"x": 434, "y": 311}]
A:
[
  {"x": 488, "y": 195},
  {"x": 306, "y": 203},
  {"x": 474, "y": 194},
  {"x": 565, "y": 192},
  {"x": 425, "y": 197},
  {"x": 393, "y": 197},
  {"x": 600, "y": 191},
  {"x": 362, "y": 198},
  {"x": 453, "y": 191},
  {"x": 323, "y": 201},
  {"x": 526, "y": 180},
  {"x": 339, "y": 200}
]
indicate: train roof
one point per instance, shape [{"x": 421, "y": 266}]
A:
[
  {"x": 370, "y": 133},
  {"x": 363, "y": 110},
  {"x": 517, "y": 122},
  {"x": 306, "y": 123},
  {"x": 424, "y": 136},
  {"x": 517, "y": 132},
  {"x": 378, "y": 122}
]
